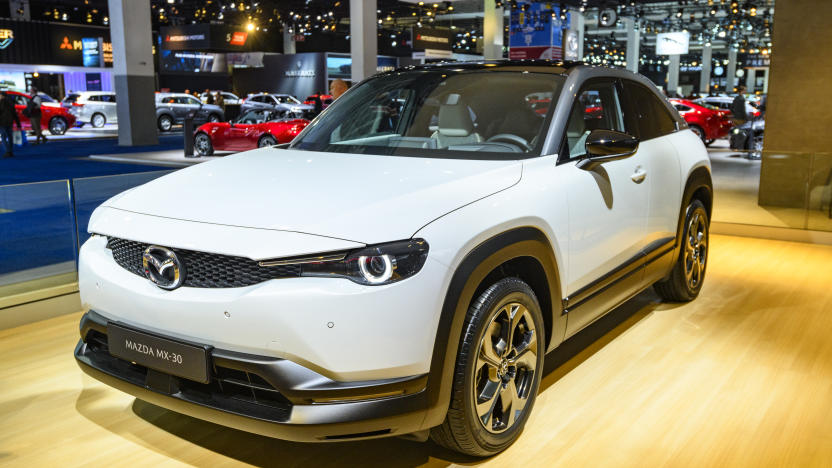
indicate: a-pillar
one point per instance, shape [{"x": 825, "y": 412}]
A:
[
  {"x": 363, "y": 39},
  {"x": 492, "y": 31},
  {"x": 673, "y": 75},
  {"x": 288, "y": 40},
  {"x": 731, "y": 76},
  {"x": 576, "y": 23},
  {"x": 705, "y": 76},
  {"x": 135, "y": 84},
  {"x": 633, "y": 44}
]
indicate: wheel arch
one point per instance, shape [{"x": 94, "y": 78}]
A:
[
  {"x": 698, "y": 186},
  {"x": 525, "y": 252}
]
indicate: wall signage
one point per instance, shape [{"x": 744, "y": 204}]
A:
[
  {"x": 672, "y": 43},
  {"x": 6, "y": 38},
  {"x": 35, "y": 42},
  {"x": 431, "y": 38},
  {"x": 536, "y": 31},
  {"x": 238, "y": 38}
]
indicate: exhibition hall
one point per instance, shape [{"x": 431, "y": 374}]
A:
[{"x": 405, "y": 233}]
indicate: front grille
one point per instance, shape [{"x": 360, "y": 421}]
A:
[{"x": 203, "y": 270}]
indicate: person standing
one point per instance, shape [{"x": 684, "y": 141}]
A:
[
  {"x": 33, "y": 112},
  {"x": 738, "y": 107},
  {"x": 337, "y": 88},
  {"x": 8, "y": 117}
]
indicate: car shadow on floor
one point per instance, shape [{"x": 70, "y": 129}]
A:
[{"x": 391, "y": 452}]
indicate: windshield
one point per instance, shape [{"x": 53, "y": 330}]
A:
[
  {"x": 439, "y": 113},
  {"x": 286, "y": 100}
]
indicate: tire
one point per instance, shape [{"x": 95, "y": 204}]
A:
[
  {"x": 485, "y": 333},
  {"x": 698, "y": 131},
  {"x": 688, "y": 274},
  {"x": 58, "y": 125},
  {"x": 164, "y": 122},
  {"x": 98, "y": 120},
  {"x": 266, "y": 140},
  {"x": 203, "y": 145},
  {"x": 214, "y": 118}
]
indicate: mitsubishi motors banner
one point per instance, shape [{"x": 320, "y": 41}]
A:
[{"x": 536, "y": 31}]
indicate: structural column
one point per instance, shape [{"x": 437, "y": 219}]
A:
[
  {"x": 131, "y": 33},
  {"x": 633, "y": 44},
  {"x": 672, "y": 75},
  {"x": 705, "y": 76},
  {"x": 576, "y": 22},
  {"x": 363, "y": 39},
  {"x": 288, "y": 40},
  {"x": 492, "y": 31},
  {"x": 765, "y": 80},
  {"x": 731, "y": 76},
  {"x": 750, "y": 79}
]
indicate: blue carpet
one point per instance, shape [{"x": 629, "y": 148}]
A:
[{"x": 57, "y": 160}]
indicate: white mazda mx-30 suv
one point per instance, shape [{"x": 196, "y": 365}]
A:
[{"x": 403, "y": 266}]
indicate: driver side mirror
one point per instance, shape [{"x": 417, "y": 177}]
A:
[{"x": 607, "y": 145}]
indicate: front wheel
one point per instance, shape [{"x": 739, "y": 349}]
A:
[
  {"x": 165, "y": 122},
  {"x": 266, "y": 140},
  {"x": 58, "y": 125},
  {"x": 498, "y": 371},
  {"x": 685, "y": 280}
]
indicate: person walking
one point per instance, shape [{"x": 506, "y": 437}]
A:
[
  {"x": 8, "y": 117},
  {"x": 33, "y": 112}
]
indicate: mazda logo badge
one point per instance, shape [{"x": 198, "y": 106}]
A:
[{"x": 162, "y": 267}]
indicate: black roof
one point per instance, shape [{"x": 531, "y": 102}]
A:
[{"x": 489, "y": 64}]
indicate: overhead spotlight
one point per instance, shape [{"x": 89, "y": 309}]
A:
[
  {"x": 679, "y": 13},
  {"x": 607, "y": 18},
  {"x": 713, "y": 11}
]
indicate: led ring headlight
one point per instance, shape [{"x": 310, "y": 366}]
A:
[{"x": 376, "y": 269}]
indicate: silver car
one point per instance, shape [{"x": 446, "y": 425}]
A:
[
  {"x": 93, "y": 107},
  {"x": 173, "y": 108},
  {"x": 285, "y": 105}
]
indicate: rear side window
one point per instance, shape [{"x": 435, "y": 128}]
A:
[{"x": 648, "y": 115}]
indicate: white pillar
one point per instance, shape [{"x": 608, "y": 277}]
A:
[
  {"x": 492, "y": 31},
  {"x": 705, "y": 75},
  {"x": 288, "y": 40},
  {"x": 673, "y": 75},
  {"x": 765, "y": 80},
  {"x": 363, "y": 39},
  {"x": 576, "y": 22},
  {"x": 633, "y": 44},
  {"x": 731, "y": 77},
  {"x": 133, "y": 73},
  {"x": 750, "y": 78}
]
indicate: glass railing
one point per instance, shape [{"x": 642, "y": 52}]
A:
[{"x": 43, "y": 224}]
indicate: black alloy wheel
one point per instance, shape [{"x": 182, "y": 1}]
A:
[
  {"x": 203, "y": 145},
  {"x": 58, "y": 125},
  {"x": 688, "y": 274}
]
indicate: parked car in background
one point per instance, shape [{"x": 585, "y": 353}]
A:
[
  {"x": 93, "y": 107},
  {"x": 724, "y": 103},
  {"x": 707, "y": 122},
  {"x": 229, "y": 98},
  {"x": 255, "y": 129},
  {"x": 173, "y": 108},
  {"x": 326, "y": 100},
  {"x": 54, "y": 117},
  {"x": 284, "y": 104}
]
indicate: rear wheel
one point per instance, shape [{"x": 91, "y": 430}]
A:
[
  {"x": 214, "y": 118},
  {"x": 165, "y": 122},
  {"x": 58, "y": 125},
  {"x": 497, "y": 372},
  {"x": 266, "y": 140},
  {"x": 203, "y": 145},
  {"x": 698, "y": 131},
  {"x": 98, "y": 120},
  {"x": 685, "y": 280}
]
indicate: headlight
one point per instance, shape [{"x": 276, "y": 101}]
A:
[{"x": 375, "y": 265}]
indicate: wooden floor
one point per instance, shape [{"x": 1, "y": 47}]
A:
[{"x": 740, "y": 377}]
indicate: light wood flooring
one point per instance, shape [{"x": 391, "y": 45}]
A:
[{"x": 740, "y": 377}]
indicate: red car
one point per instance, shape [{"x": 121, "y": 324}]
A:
[
  {"x": 255, "y": 129},
  {"x": 53, "y": 117},
  {"x": 709, "y": 123},
  {"x": 326, "y": 100}
]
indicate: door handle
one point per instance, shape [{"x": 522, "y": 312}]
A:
[{"x": 639, "y": 175}]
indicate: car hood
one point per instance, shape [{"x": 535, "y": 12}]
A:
[{"x": 360, "y": 198}]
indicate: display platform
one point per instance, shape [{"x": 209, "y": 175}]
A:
[{"x": 740, "y": 377}]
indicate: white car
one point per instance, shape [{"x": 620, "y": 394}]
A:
[
  {"x": 725, "y": 102},
  {"x": 403, "y": 266},
  {"x": 94, "y": 107}
]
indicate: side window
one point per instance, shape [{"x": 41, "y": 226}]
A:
[
  {"x": 681, "y": 107},
  {"x": 596, "y": 108},
  {"x": 21, "y": 100},
  {"x": 649, "y": 116}
]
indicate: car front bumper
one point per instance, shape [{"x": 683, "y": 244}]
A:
[{"x": 264, "y": 395}]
